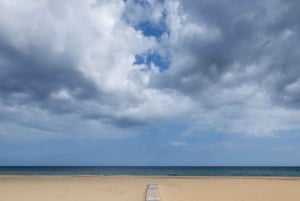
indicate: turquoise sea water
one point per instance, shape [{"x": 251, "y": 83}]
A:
[{"x": 151, "y": 170}]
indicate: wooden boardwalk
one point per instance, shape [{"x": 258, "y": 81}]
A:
[{"x": 152, "y": 193}]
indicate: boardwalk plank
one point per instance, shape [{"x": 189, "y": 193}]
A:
[{"x": 152, "y": 193}]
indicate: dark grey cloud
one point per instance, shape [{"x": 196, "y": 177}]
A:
[
  {"x": 37, "y": 74},
  {"x": 261, "y": 34}
]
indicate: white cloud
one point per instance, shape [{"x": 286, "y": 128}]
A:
[{"x": 178, "y": 144}]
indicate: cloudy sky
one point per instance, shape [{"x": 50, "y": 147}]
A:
[{"x": 150, "y": 82}]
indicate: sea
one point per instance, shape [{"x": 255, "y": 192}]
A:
[{"x": 152, "y": 170}]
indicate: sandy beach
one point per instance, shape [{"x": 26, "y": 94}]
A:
[{"x": 132, "y": 188}]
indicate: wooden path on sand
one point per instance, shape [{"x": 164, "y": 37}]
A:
[{"x": 152, "y": 193}]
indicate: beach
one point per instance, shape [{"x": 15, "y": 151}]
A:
[{"x": 132, "y": 188}]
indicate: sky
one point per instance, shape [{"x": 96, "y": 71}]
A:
[{"x": 150, "y": 82}]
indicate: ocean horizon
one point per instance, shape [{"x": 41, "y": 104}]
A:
[{"x": 278, "y": 171}]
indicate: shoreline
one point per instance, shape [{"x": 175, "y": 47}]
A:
[{"x": 155, "y": 176}]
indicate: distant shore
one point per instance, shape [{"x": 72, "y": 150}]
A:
[{"x": 132, "y": 188}]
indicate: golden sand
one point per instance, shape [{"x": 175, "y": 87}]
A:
[{"x": 132, "y": 188}]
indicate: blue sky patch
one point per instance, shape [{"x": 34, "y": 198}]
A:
[
  {"x": 147, "y": 25},
  {"x": 156, "y": 59},
  {"x": 151, "y": 29}
]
